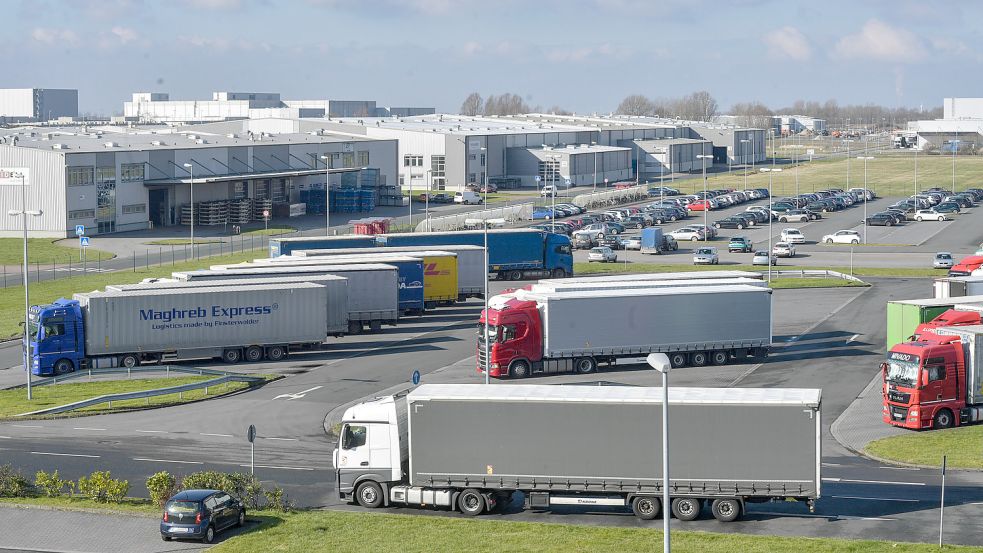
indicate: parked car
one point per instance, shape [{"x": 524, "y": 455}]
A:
[
  {"x": 548, "y": 190},
  {"x": 705, "y": 256},
  {"x": 441, "y": 198},
  {"x": 602, "y": 254},
  {"x": 635, "y": 221},
  {"x": 542, "y": 213},
  {"x": 583, "y": 241},
  {"x": 842, "y": 237},
  {"x": 792, "y": 215},
  {"x": 881, "y": 219},
  {"x": 761, "y": 257},
  {"x": 731, "y": 222},
  {"x": 783, "y": 249},
  {"x": 929, "y": 215},
  {"x": 700, "y": 205},
  {"x": 467, "y": 197},
  {"x": 793, "y": 236},
  {"x": 633, "y": 243},
  {"x": 708, "y": 230},
  {"x": 489, "y": 187},
  {"x": 613, "y": 242},
  {"x": 948, "y": 207},
  {"x": 200, "y": 514},
  {"x": 688, "y": 234},
  {"x": 943, "y": 260},
  {"x": 740, "y": 244}
]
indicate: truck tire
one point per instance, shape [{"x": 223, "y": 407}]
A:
[
  {"x": 719, "y": 357},
  {"x": 276, "y": 353},
  {"x": 369, "y": 495},
  {"x": 64, "y": 366},
  {"x": 698, "y": 358},
  {"x": 471, "y": 502},
  {"x": 687, "y": 508},
  {"x": 585, "y": 365},
  {"x": 129, "y": 361},
  {"x": 515, "y": 275},
  {"x": 355, "y": 327},
  {"x": 232, "y": 355},
  {"x": 677, "y": 360},
  {"x": 646, "y": 507},
  {"x": 943, "y": 419},
  {"x": 254, "y": 353},
  {"x": 519, "y": 369},
  {"x": 375, "y": 326},
  {"x": 726, "y": 510},
  {"x": 559, "y": 273}
]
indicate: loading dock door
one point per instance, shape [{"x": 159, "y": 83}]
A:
[{"x": 159, "y": 212}]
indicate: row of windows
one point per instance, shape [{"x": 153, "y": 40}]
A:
[
  {"x": 82, "y": 214},
  {"x": 130, "y": 172},
  {"x": 412, "y": 161},
  {"x": 134, "y": 208}
]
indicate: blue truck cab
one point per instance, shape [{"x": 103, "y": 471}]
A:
[{"x": 57, "y": 334}]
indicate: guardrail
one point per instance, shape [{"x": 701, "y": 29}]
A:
[
  {"x": 816, "y": 273},
  {"x": 110, "y": 398},
  {"x": 119, "y": 370},
  {"x": 510, "y": 214}
]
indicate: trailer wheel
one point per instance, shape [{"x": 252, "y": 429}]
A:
[
  {"x": 515, "y": 275},
  {"x": 232, "y": 355},
  {"x": 698, "y": 358},
  {"x": 726, "y": 510},
  {"x": 64, "y": 366},
  {"x": 942, "y": 419},
  {"x": 354, "y": 327},
  {"x": 369, "y": 495},
  {"x": 254, "y": 353},
  {"x": 646, "y": 508},
  {"x": 585, "y": 365},
  {"x": 129, "y": 361},
  {"x": 687, "y": 508},
  {"x": 559, "y": 273},
  {"x": 276, "y": 353},
  {"x": 375, "y": 326},
  {"x": 519, "y": 369},
  {"x": 677, "y": 360},
  {"x": 471, "y": 502},
  {"x": 719, "y": 358}
]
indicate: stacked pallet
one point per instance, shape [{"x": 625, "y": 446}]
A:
[{"x": 240, "y": 211}]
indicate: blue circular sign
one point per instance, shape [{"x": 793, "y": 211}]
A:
[{"x": 416, "y": 377}]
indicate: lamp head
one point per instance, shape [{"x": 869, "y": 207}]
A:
[{"x": 659, "y": 362}]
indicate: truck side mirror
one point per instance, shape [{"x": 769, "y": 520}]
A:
[{"x": 883, "y": 367}]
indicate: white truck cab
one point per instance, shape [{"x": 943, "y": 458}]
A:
[{"x": 372, "y": 446}]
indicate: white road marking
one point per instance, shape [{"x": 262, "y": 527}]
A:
[
  {"x": 168, "y": 461},
  {"x": 26, "y": 425},
  {"x": 152, "y": 431},
  {"x": 874, "y": 498},
  {"x": 65, "y": 454},
  {"x": 852, "y": 338},
  {"x": 281, "y": 439},
  {"x": 850, "y": 517},
  {"x": 832, "y": 465},
  {"x": 278, "y": 467},
  {"x": 900, "y": 468},
  {"x": 93, "y": 429},
  {"x": 219, "y": 435},
  {"x": 802, "y": 515},
  {"x": 5, "y": 438},
  {"x": 873, "y": 482},
  {"x": 298, "y": 395}
]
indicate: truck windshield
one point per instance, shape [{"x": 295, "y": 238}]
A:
[
  {"x": 902, "y": 373},
  {"x": 492, "y": 331}
]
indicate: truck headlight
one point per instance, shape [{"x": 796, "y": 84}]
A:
[{"x": 494, "y": 365}]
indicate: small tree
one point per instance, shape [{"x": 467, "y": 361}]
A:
[
  {"x": 473, "y": 104},
  {"x": 161, "y": 486}
]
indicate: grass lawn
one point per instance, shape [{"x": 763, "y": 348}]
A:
[
  {"x": 963, "y": 447},
  {"x": 44, "y": 251},
  {"x": 889, "y": 174},
  {"x": 130, "y": 506},
  {"x": 181, "y": 241},
  {"x": 351, "y": 531},
  {"x": 12, "y": 297},
  {"x": 598, "y": 268},
  {"x": 14, "y": 402},
  {"x": 814, "y": 283},
  {"x": 272, "y": 230}
]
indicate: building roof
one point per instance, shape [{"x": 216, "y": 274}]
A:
[
  {"x": 651, "y": 145},
  {"x": 462, "y": 125},
  {"x": 576, "y": 149}
]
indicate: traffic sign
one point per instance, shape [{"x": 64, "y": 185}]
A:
[
  {"x": 84, "y": 241},
  {"x": 79, "y": 230},
  {"x": 266, "y": 213},
  {"x": 416, "y": 377},
  {"x": 538, "y": 178},
  {"x": 568, "y": 182},
  {"x": 251, "y": 433}
]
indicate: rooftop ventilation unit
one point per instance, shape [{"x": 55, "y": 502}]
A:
[
  {"x": 156, "y": 143},
  {"x": 59, "y": 146},
  {"x": 200, "y": 141},
  {"x": 111, "y": 145},
  {"x": 232, "y": 135}
]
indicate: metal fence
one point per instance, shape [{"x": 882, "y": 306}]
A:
[
  {"x": 612, "y": 197},
  {"x": 139, "y": 370},
  {"x": 816, "y": 274},
  {"x": 508, "y": 214}
]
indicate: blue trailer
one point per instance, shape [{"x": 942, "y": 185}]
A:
[
  {"x": 654, "y": 241},
  {"x": 513, "y": 254},
  {"x": 285, "y": 246}
]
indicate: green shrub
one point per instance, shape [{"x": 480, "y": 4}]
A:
[
  {"x": 161, "y": 486},
  {"x": 101, "y": 486},
  {"x": 203, "y": 480},
  {"x": 13, "y": 483},
  {"x": 277, "y": 500},
  {"x": 244, "y": 487},
  {"x": 51, "y": 484}
]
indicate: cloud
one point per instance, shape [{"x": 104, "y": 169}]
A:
[
  {"x": 881, "y": 42},
  {"x": 384, "y": 7},
  {"x": 125, "y": 34},
  {"x": 788, "y": 43},
  {"x": 51, "y": 36},
  {"x": 221, "y": 44},
  {"x": 216, "y": 5},
  {"x": 585, "y": 53}
]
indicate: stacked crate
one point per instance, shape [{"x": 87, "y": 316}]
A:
[{"x": 240, "y": 211}]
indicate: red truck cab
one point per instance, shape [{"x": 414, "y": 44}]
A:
[
  {"x": 515, "y": 331},
  {"x": 951, "y": 317},
  {"x": 924, "y": 383},
  {"x": 966, "y": 266}
]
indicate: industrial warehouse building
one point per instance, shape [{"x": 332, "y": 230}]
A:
[
  {"x": 29, "y": 105},
  {"x": 114, "y": 179},
  {"x": 961, "y": 126}
]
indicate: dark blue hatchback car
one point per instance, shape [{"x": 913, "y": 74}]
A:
[{"x": 200, "y": 514}]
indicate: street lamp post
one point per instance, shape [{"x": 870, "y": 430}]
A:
[
  {"x": 706, "y": 199},
  {"x": 743, "y": 149},
  {"x": 327, "y": 196},
  {"x": 555, "y": 159},
  {"x": 955, "y": 146},
  {"x": 426, "y": 197},
  {"x": 485, "y": 225},
  {"x": 592, "y": 145},
  {"x": 660, "y": 362},
  {"x": 771, "y": 214},
  {"x": 865, "y": 158},
  {"x": 23, "y": 212},
  {"x": 847, "y": 142},
  {"x": 191, "y": 171}
]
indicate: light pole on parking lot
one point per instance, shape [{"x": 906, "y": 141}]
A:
[
  {"x": 743, "y": 150},
  {"x": 865, "y": 158},
  {"x": 327, "y": 196},
  {"x": 771, "y": 214},
  {"x": 22, "y": 175},
  {"x": 955, "y": 146},
  {"x": 706, "y": 198},
  {"x": 191, "y": 171},
  {"x": 847, "y": 142},
  {"x": 660, "y": 362}
]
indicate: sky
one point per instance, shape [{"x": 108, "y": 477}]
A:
[{"x": 580, "y": 55}]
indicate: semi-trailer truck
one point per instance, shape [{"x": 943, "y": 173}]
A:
[
  {"x": 681, "y": 275},
  {"x": 470, "y": 447},
  {"x": 950, "y": 287},
  {"x": 109, "y": 329},
  {"x": 904, "y": 316},
  {"x": 937, "y": 381},
  {"x": 554, "y": 285},
  {"x": 576, "y": 331},
  {"x": 513, "y": 254},
  {"x": 373, "y": 298},
  {"x": 284, "y": 246}
]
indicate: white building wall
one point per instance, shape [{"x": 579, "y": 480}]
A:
[
  {"x": 962, "y": 108},
  {"x": 45, "y": 191}
]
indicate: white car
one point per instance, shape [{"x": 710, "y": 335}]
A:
[
  {"x": 930, "y": 215},
  {"x": 548, "y": 190},
  {"x": 842, "y": 237},
  {"x": 634, "y": 243},
  {"x": 687, "y": 234},
  {"x": 761, "y": 258},
  {"x": 467, "y": 197},
  {"x": 705, "y": 256},
  {"x": 602, "y": 254},
  {"x": 793, "y": 236},
  {"x": 783, "y": 249}
]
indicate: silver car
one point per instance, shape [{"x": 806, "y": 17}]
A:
[
  {"x": 705, "y": 256},
  {"x": 602, "y": 254},
  {"x": 761, "y": 258},
  {"x": 943, "y": 260}
]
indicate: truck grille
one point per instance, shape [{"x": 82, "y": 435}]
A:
[
  {"x": 898, "y": 397},
  {"x": 899, "y": 414},
  {"x": 482, "y": 362}
]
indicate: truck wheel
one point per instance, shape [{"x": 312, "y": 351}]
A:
[
  {"x": 646, "y": 508},
  {"x": 698, "y": 358},
  {"x": 585, "y": 365},
  {"x": 559, "y": 273},
  {"x": 677, "y": 360},
  {"x": 232, "y": 355},
  {"x": 276, "y": 353},
  {"x": 354, "y": 327},
  {"x": 369, "y": 495},
  {"x": 515, "y": 275},
  {"x": 726, "y": 510},
  {"x": 943, "y": 419},
  {"x": 129, "y": 361},
  {"x": 719, "y": 358},
  {"x": 375, "y": 326},
  {"x": 64, "y": 366},
  {"x": 519, "y": 369},
  {"x": 471, "y": 502},
  {"x": 686, "y": 508},
  {"x": 254, "y": 353}
]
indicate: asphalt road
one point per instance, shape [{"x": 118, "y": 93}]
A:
[{"x": 831, "y": 339}]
